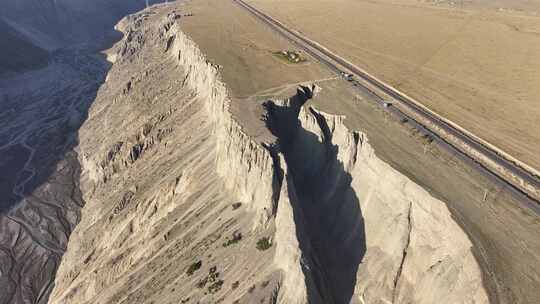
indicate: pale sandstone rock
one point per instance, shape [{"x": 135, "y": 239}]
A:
[{"x": 135, "y": 246}]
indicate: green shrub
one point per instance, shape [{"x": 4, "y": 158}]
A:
[
  {"x": 194, "y": 267},
  {"x": 264, "y": 243}
]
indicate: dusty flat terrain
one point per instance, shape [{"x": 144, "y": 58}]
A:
[
  {"x": 472, "y": 63},
  {"x": 247, "y": 69}
]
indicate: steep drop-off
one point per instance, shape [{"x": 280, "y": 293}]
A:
[{"x": 183, "y": 205}]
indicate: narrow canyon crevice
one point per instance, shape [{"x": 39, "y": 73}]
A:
[
  {"x": 333, "y": 239},
  {"x": 404, "y": 256}
]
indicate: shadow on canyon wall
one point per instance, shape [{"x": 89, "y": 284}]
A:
[{"x": 333, "y": 235}]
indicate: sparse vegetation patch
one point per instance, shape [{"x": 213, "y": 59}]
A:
[
  {"x": 290, "y": 56},
  {"x": 202, "y": 283},
  {"x": 194, "y": 267},
  {"x": 236, "y": 237},
  {"x": 264, "y": 243},
  {"x": 213, "y": 279},
  {"x": 215, "y": 287}
]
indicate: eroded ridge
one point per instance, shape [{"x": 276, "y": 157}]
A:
[
  {"x": 183, "y": 205},
  {"x": 366, "y": 229}
]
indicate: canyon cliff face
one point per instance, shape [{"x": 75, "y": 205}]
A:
[{"x": 184, "y": 205}]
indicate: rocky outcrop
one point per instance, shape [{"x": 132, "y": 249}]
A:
[{"x": 184, "y": 205}]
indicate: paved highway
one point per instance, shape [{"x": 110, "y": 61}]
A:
[{"x": 522, "y": 178}]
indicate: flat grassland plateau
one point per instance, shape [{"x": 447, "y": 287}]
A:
[{"x": 475, "y": 63}]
